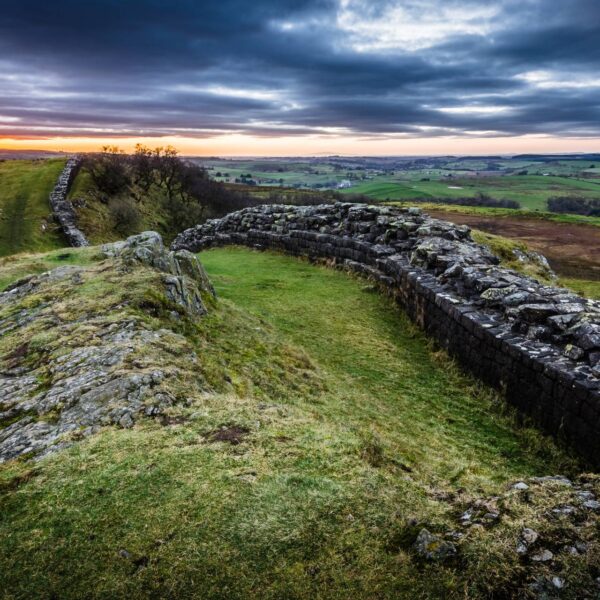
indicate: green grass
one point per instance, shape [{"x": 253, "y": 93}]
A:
[
  {"x": 355, "y": 424},
  {"x": 25, "y": 219},
  {"x": 588, "y": 289},
  {"x": 17, "y": 266},
  {"x": 531, "y": 191}
]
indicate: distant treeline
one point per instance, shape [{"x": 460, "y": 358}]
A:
[
  {"x": 479, "y": 200},
  {"x": 575, "y": 205}
]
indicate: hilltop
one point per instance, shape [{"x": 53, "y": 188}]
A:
[{"x": 295, "y": 436}]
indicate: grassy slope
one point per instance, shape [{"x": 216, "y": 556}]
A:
[
  {"x": 24, "y": 206},
  {"x": 94, "y": 217},
  {"x": 354, "y": 426}
]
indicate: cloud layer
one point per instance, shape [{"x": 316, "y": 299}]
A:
[{"x": 402, "y": 68}]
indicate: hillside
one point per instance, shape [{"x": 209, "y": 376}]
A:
[
  {"x": 296, "y": 437},
  {"x": 99, "y": 225},
  {"x": 26, "y": 224}
]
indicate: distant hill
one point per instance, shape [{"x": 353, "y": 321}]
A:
[{"x": 29, "y": 154}]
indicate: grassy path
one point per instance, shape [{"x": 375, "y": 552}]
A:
[
  {"x": 387, "y": 380},
  {"x": 24, "y": 208}
]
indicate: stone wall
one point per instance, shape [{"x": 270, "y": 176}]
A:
[
  {"x": 540, "y": 345},
  {"x": 63, "y": 209}
]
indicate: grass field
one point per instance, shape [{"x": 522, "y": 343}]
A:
[
  {"x": 531, "y": 191},
  {"x": 529, "y": 182},
  {"x": 352, "y": 426},
  {"x": 25, "y": 220}
]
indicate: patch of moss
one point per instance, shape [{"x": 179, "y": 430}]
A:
[{"x": 7, "y": 421}]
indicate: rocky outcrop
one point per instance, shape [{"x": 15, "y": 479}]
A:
[
  {"x": 184, "y": 277},
  {"x": 99, "y": 362},
  {"x": 62, "y": 208},
  {"x": 539, "y": 344}
]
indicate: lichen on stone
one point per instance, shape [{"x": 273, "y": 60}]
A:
[{"x": 78, "y": 352}]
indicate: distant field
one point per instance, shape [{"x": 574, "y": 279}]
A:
[
  {"x": 528, "y": 182},
  {"x": 25, "y": 220},
  {"x": 531, "y": 191}
]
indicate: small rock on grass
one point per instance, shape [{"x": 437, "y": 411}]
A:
[
  {"x": 433, "y": 547},
  {"x": 520, "y": 485},
  {"x": 529, "y": 536},
  {"x": 558, "y": 583},
  {"x": 543, "y": 556}
]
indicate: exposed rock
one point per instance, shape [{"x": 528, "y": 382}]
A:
[
  {"x": 542, "y": 556},
  {"x": 539, "y": 260},
  {"x": 564, "y": 511},
  {"x": 558, "y": 479},
  {"x": 433, "y": 547},
  {"x": 527, "y": 539},
  {"x": 187, "y": 275},
  {"x": 529, "y": 536},
  {"x": 91, "y": 380},
  {"x": 520, "y": 485}
]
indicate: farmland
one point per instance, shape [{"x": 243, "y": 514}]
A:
[{"x": 528, "y": 181}]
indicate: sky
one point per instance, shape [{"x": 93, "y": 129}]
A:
[{"x": 302, "y": 77}]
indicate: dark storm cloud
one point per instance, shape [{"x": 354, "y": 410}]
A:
[{"x": 283, "y": 67}]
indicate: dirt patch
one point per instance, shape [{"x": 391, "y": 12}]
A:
[
  {"x": 572, "y": 250},
  {"x": 15, "y": 358},
  {"x": 172, "y": 420},
  {"x": 16, "y": 482},
  {"x": 233, "y": 435}
]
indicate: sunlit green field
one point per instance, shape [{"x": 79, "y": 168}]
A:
[
  {"x": 528, "y": 182},
  {"x": 25, "y": 220},
  {"x": 530, "y": 191}
]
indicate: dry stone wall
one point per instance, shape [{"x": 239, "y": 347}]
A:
[
  {"x": 63, "y": 209},
  {"x": 539, "y": 344}
]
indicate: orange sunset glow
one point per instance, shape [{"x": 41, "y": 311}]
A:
[{"x": 244, "y": 145}]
